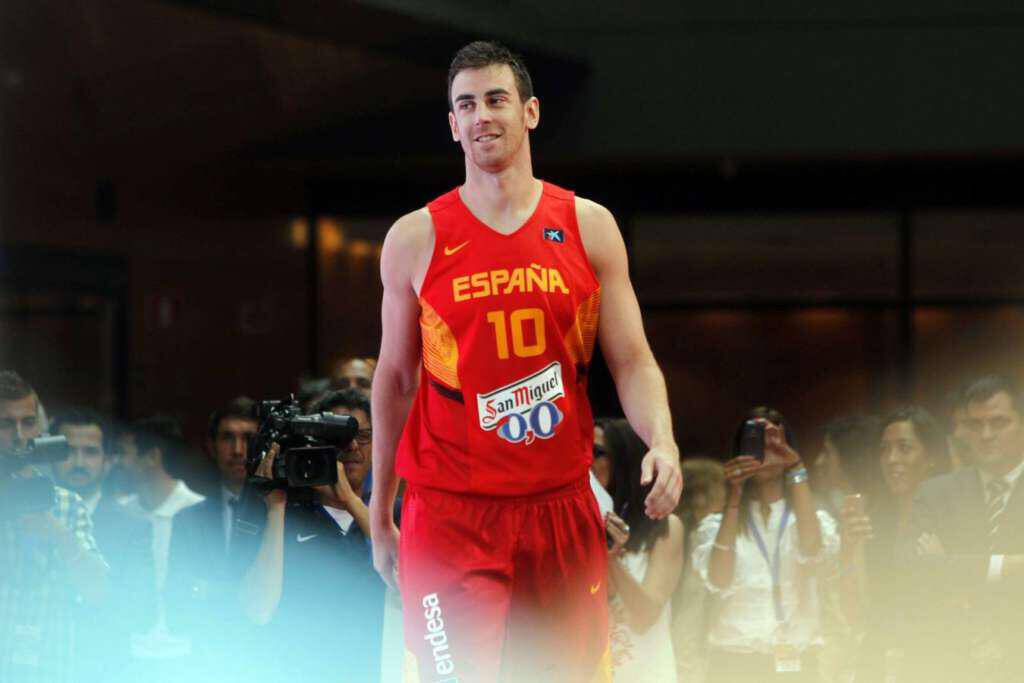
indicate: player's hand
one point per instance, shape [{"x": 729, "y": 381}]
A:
[
  {"x": 662, "y": 467},
  {"x": 384, "y": 538}
]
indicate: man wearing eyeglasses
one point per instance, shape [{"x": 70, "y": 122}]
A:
[{"x": 310, "y": 563}]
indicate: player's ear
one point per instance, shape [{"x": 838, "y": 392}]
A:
[
  {"x": 532, "y": 107},
  {"x": 454, "y": 126}
]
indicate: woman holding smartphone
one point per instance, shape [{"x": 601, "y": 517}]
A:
[
  {"x": 762, "y": 556},
  {"x": 874, "y": 593},
  {"x": 643, "y": 567}
]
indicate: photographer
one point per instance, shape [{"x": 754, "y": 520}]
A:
[
  {"x": 762, "y": 556},
  {"x": 307, "y": 574},
  {"x": 48, "y": 559}
]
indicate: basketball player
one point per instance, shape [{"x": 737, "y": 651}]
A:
[{"x": 493, "y": 296}]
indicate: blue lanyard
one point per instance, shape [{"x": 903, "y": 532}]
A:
[{"x": 774, "y": 562}]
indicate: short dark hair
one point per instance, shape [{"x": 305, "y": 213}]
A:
[
  {"x": 988, "y": 386},
  {"x": 240, "y": 407},
  {"x": 162, "y": 432},
  {"x": 353, "y": 399},
  {"x": 83, "y": 417},
  {"x": 13, "y": 386},
  {"x": 481, "y": 53}
]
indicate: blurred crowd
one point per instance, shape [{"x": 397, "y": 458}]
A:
[{"x": 882, "y": 548}]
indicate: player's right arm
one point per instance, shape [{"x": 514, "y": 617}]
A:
[{"x": 403, "y": 264}]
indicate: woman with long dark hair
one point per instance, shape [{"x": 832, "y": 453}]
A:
[
  {"x": 643, "y": 567},
  {"x": 911, "y": 449},
  {"x": 762, "y": 556}
]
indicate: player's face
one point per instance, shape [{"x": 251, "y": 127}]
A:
[{"x": 488, "y": 118}]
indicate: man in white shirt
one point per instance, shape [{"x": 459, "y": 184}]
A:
[{"x": 158, "y": 497}]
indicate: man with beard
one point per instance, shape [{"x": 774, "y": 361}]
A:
[{"x": 124, "y": 540}]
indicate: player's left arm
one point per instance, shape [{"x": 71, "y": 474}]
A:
[{"x": 638, "y": 379}]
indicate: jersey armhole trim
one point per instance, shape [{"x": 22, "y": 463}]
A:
[
  {"x": 428, "y": 275},
  {"x": 574, "y": 225}
]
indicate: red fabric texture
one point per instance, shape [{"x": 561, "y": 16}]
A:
[{"x": 510, "y": 589}]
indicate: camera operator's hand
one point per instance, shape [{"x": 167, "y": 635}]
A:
[
  {"x": 340, "y": 495},
  {"x": 275, "y": 498}
]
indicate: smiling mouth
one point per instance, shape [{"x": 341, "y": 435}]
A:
[{"x": 491, "y": 137}]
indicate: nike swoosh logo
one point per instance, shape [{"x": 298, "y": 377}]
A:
[
  {"x": 596, "y": 587},
  {"x": 448, "y": 251},
  {"x": 303, "y": 539}
]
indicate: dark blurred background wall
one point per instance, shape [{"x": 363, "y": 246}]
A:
[{"x": 821, "y": 202}]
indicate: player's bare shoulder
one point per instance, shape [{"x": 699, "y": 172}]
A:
[
  {"x": 408, "y": 248},
  {"x": 600, "y": 234}
]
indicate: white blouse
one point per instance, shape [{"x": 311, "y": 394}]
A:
[
  {"x": 746, "y": 620},
  {"x": 640, "y": 657}
]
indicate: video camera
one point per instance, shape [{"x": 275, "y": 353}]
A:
[
  {"x": 23, "y": 495},
  {"x": 311, "y": 445}
]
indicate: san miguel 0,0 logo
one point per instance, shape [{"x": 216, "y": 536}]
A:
[{"x": 524, "y": 410}]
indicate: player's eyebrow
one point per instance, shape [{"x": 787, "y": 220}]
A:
[{"x": 489, "y": 93}]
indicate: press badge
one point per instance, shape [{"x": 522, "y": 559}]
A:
[{"x": 787, "y": 659}]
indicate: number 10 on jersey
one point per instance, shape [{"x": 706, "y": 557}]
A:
[{"x": 514, "y": 327}]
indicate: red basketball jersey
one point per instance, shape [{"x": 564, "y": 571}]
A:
[{"x": 508, "y": 324}]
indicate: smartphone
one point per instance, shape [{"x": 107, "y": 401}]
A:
[
  {"x": 752, "y": 439},
  {"x": 608, "y": 536},
  {"x": 856, "y": 502}
]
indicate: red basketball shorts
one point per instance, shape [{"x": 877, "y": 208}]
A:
[{"x": 504, "y": 589}]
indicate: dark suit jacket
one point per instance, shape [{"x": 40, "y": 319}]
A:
[
  {"x": 126, "y": 542},
  {"x": 200, "y": 585},
  {"x": 956, "y": 608}
]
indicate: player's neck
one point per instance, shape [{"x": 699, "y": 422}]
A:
[{"x": 511, "y": 190}]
